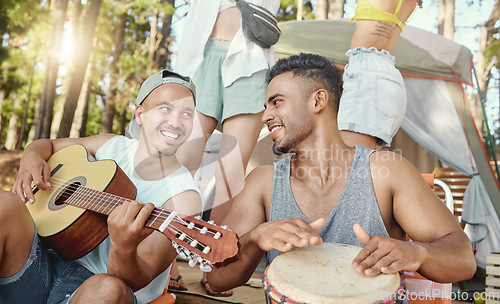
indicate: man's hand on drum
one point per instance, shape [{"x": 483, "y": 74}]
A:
[
  {"x": 285, "y": 234},
  {"x": 383, "y": 254}
]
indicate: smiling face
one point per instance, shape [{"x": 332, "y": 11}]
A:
[
  {"x": 287, "y": 114},
  {"x": 166, "y": 118}
]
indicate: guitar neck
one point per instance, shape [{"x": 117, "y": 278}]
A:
[
  {"x": 105, "y": 203},
  {"x": 190, "y": 236}
]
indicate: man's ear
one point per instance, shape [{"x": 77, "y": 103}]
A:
[
  {"x": 139, "y": 110},
  {"x": 320, "y": 100}
]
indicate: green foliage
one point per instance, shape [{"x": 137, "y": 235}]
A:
[
  {"x": 18, "y": 20},
  {"x": 288, "y": 10},
  {"x": 95, "y": 118},
  {"x": 133, "y": 60},
  {"x": 493, "y": 50}
]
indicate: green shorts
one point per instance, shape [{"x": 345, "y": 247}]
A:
[{"x": 246, "y": 95}]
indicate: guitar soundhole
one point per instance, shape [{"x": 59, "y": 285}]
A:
[
  {"x": 56, "y": 202},
  {"x": 66, "y": 192}
]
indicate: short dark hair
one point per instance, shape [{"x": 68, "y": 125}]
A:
[{"x": 314, "y": 67}]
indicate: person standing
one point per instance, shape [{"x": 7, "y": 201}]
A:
[{"x": 230, "y": 75}]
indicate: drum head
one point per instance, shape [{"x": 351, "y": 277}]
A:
[{"x": 323, "y": 274}]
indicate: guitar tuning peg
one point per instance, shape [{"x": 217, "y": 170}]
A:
[
  {"x": 211, "y": 222},
  {"x": 224, "y": 227},
  {"x": 204, "y": 230},
  {"x": 198, "y": 217},
  {"x": 205, "y": 267},
  {"x": 181, "y": 254},
  {"x": 217, "y": 235},
  {"x": 190, "y": 225},
  {"x": 192, "y": 262},
  {"x": 206, "y": 250}
]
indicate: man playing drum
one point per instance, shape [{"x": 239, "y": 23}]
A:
[{"x": 327, "y": 191}]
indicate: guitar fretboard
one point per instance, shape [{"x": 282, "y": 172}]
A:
[{"x": 104, "y": 203}]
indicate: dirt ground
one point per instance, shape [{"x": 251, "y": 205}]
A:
[{"x": 9, "y": 166}]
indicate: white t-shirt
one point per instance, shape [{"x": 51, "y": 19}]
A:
[{"x": 122, "y": 151}]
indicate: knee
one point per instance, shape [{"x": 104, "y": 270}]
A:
[
  {"x": 110, "y": 288},
  {"x": 13, "y": 210}
]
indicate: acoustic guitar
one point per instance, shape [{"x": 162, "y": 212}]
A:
[{"x": 71, "y": 215}]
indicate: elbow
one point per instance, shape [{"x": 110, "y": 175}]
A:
[
  {"x": 470, "y": 268},
  {"x": 467, "y": 268}
]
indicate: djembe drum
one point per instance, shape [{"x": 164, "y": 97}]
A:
[{"x": 323, "y": 274}]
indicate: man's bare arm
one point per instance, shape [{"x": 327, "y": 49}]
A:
[
  {"x": 137, "y": 259},
  {"x": 34, "y": 168},
  {"x": 440, "y": 250},
  {"x": 448, "y": 255},
  {"x": 247, "y": 212},
  {"x": 248, "y": 218}
]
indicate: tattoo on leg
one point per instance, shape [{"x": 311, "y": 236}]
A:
[{"x": 384, "y": 29}]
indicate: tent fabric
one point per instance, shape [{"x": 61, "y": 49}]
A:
[
  {"x": 434, "y": 70},
  {"x": 437, "y": 128},
  {"x": 416, "y": 51}
]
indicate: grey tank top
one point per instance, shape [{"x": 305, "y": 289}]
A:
[{"x": 356, "y": 205}]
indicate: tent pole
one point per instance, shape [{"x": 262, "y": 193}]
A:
[{"x": 488, "y": 134}]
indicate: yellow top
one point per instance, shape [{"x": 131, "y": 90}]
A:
[{"x": 366, "y": 11}]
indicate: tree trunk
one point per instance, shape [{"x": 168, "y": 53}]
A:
[
  {"x": 12, "y": 131},
  {"x": 446, "y": 18},
  {"x": 483, "y": 64},
  {"x": 26, "y": 107},
  {"x": 110, "y": 106},
  {"x": 123, "y": 121},
  {"x": 152, "y": 43},
  {"x": 2, "y": 118},
  {"x": 166, "y": 40},
  {"x": 31, "y": 134},
  {"x": 76, "y": 22},
  {"x": 336, "y": 9},
  {"x": 85, "y": 114},
  {"x": 52, "y": 66},
  {"x": 80, "y": 108},
  {"x": 300, "y": 10},
  {"x": 321, "y": 9},
  {"x": 80, "y": 68}
]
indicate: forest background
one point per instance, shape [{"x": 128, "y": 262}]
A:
[{"x": 74, "y": 67}]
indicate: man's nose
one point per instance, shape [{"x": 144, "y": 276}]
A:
[{"x": 267, "y": 115}]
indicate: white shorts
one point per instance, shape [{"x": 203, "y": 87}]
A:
[{"x": 373, "y": 100}]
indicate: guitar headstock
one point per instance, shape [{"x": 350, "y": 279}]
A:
[{"x": 202, "y": 242}]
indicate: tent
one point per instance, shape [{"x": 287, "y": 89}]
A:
[{"x": 438, "y": 117}]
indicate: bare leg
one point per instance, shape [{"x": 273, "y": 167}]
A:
[
  {"x": 16, "y": 234},
  {"x": 359, "y": 139},
  {"x": 103, "y": 288},
  {"x": 230, "y": 172},
  {"x": 190, "y": 153},
  {"x": 240, "y": 136},
  {"x": 176, "y": 282}
]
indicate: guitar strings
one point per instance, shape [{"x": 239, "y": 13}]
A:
[
  {"x": 114, "y": 204},
  {"x": 157, "y": 212},
  {"x": 74, "y": 188}
]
